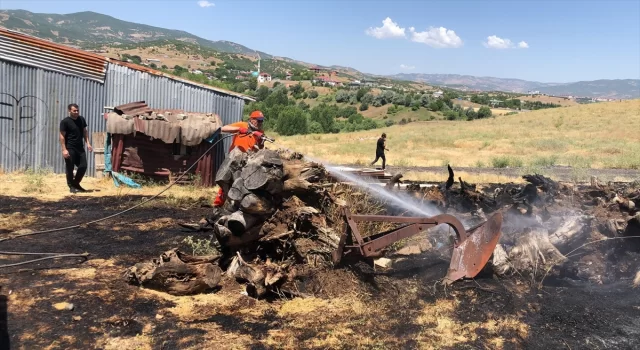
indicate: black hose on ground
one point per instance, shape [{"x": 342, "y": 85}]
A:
[{"x": 54, "y": 256}]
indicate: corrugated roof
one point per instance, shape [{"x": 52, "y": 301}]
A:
[
  {"x": 182, "y": 80},
  {"x": 190, "y": 129},
  {"x": 29, "y": 50},
  {"x": 33, "y": 51},
  {"x": 133, "y": 108}
]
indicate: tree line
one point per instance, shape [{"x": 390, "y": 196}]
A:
[
  {"x": 444, "y": 104},
  {"x": 287, "y": 116},
  {"x": 509, "y": 102}
]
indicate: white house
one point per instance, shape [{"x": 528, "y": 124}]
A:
[
  {"x": 438, "y": 94},
  {"x": 264, "y": 77}
]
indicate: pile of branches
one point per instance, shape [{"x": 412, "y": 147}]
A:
[
  {"x": 272, "y": 231},
  {"x": 580, "y": 231}
]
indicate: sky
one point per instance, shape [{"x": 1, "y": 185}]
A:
[{"x": 544, "y": 41}]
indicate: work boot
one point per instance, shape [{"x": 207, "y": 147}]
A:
[
  {"x": 79, "y": 188},
  {"x": 73, "y": 189}
]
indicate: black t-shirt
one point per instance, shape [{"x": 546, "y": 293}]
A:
[
  {"x": 380, "y": 147},
  {"x": 74, "y": 137}
]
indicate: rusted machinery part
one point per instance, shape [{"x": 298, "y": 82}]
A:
[
  {"x": 372, "y": 246},
  {"x": 471, "y": 251},
  {"x": 470, "y": 257},
  {"x": 456, "y": 225}
]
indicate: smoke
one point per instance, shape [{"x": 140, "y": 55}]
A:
[{"x": 402, "y": 200}]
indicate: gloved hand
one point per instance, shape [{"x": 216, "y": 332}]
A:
[
  {"x": 258, "y": 134},
  {"x": 243, "y": 131}
]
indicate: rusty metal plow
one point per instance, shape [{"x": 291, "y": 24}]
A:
[{"x": 471, "y": 250}]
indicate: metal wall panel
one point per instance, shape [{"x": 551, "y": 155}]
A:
[
  {"x": 125, "y": 85},
  {"x": 33, "y": 101}
]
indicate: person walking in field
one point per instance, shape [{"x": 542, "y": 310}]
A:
[
  {"x": 73, "y": 135},
  {"x": 243, "y": 141},
  {"x": 380, "y": 148}
]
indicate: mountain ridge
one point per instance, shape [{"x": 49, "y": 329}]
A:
[{"x": 605, "y": 88}]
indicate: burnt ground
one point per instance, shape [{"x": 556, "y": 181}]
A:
[{"x": 359, "y": 308}]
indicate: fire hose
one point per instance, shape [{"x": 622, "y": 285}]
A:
[{"x": 260, "y": 135}]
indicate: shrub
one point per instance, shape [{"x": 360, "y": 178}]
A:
[
  {"x": 315, "y": 128},
  {"x": 484, "y": 112},
  {"x": 505, "y": 161},
  {"x": 292, "y": 121},
  {"x": 364, "y": 106},
  {"x": 343, "y": 96}
]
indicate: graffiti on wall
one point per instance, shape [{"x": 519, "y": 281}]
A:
[{"x": 20, "y": 120}]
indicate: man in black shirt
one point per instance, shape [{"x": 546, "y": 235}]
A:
[
  {"x": 380, "y": 148},
  {"x": 73, "y": 135}
]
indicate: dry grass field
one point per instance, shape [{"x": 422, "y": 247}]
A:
[
  {"x": 170, "y": 58},
  {"x": 549, "y": 99},
  {"x": 467, "y": 104},
  {"x": 603, "y": 135},
  {"x": 498, "y": 111}
]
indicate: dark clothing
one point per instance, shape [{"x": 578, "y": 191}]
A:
[
  {"x": 74, "y": 133},
  {"x": 384, "y": 160},
  {"x": 380, "y": 153},
  {"x": 380, "y": 147},
  {"x": 79, "y": 159},
  {"x": 74, "y": 142}
]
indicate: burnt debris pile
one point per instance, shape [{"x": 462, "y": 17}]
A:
[{"x": 282, "y": 223}]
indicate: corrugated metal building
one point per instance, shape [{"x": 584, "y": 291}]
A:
[{"x": 38, "y": 79}]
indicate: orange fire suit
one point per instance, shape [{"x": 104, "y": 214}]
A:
[{"x": 245, "y": 143}]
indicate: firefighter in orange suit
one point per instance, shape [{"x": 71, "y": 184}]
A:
[{"x": 246, "y": 138}]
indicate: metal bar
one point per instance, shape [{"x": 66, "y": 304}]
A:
[
  {"x": 373, "y": 247},
  {"x": 378, "y": 235},
  {"x": 398, "y": 219},
  {"x": 355, "y": 232},
  {"x": 450, "y": 220}
]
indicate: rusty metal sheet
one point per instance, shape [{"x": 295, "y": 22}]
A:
[
  {"x": 194, "y": 129},
  {"x": 162, "y": 130},
  {"x": 133, "y": 108},
  {"x": 470, "y": 256},
  {"x": 31, "y": 51},
  {"x": 119, "y": 125}
]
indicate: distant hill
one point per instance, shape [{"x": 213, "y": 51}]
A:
[
  {"x": 91, "y": 29},
  {"x": 469, "y": 82},
  {"x": 616, "y": 88},
  {"x": 622, "y": 88}
]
